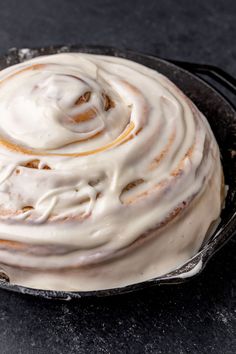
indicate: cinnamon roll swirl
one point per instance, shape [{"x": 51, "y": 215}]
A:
[{"x": 109, "y": 174}]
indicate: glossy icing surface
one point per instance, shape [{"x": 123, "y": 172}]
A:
[{"x": 108, "y": 173}]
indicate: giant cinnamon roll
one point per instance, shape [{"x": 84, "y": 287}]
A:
[{"x": 109, "y": 174}]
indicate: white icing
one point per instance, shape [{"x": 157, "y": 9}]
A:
[{"x": 151, "y": 133}]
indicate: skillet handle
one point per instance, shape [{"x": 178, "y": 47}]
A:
[{"x": 217, "y": 74}]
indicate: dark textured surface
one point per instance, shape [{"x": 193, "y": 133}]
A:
[{"x": 197, "y": 317}]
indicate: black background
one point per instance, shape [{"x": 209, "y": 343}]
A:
[{"x": 197, "y": 317}]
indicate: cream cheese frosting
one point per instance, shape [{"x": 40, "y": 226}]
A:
[{"x": 109, "y": 174}]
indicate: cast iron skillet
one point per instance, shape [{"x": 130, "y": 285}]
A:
[{"x": 222, "y": 118}]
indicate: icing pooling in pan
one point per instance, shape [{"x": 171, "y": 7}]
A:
[{"x": 100, "y": 159}]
